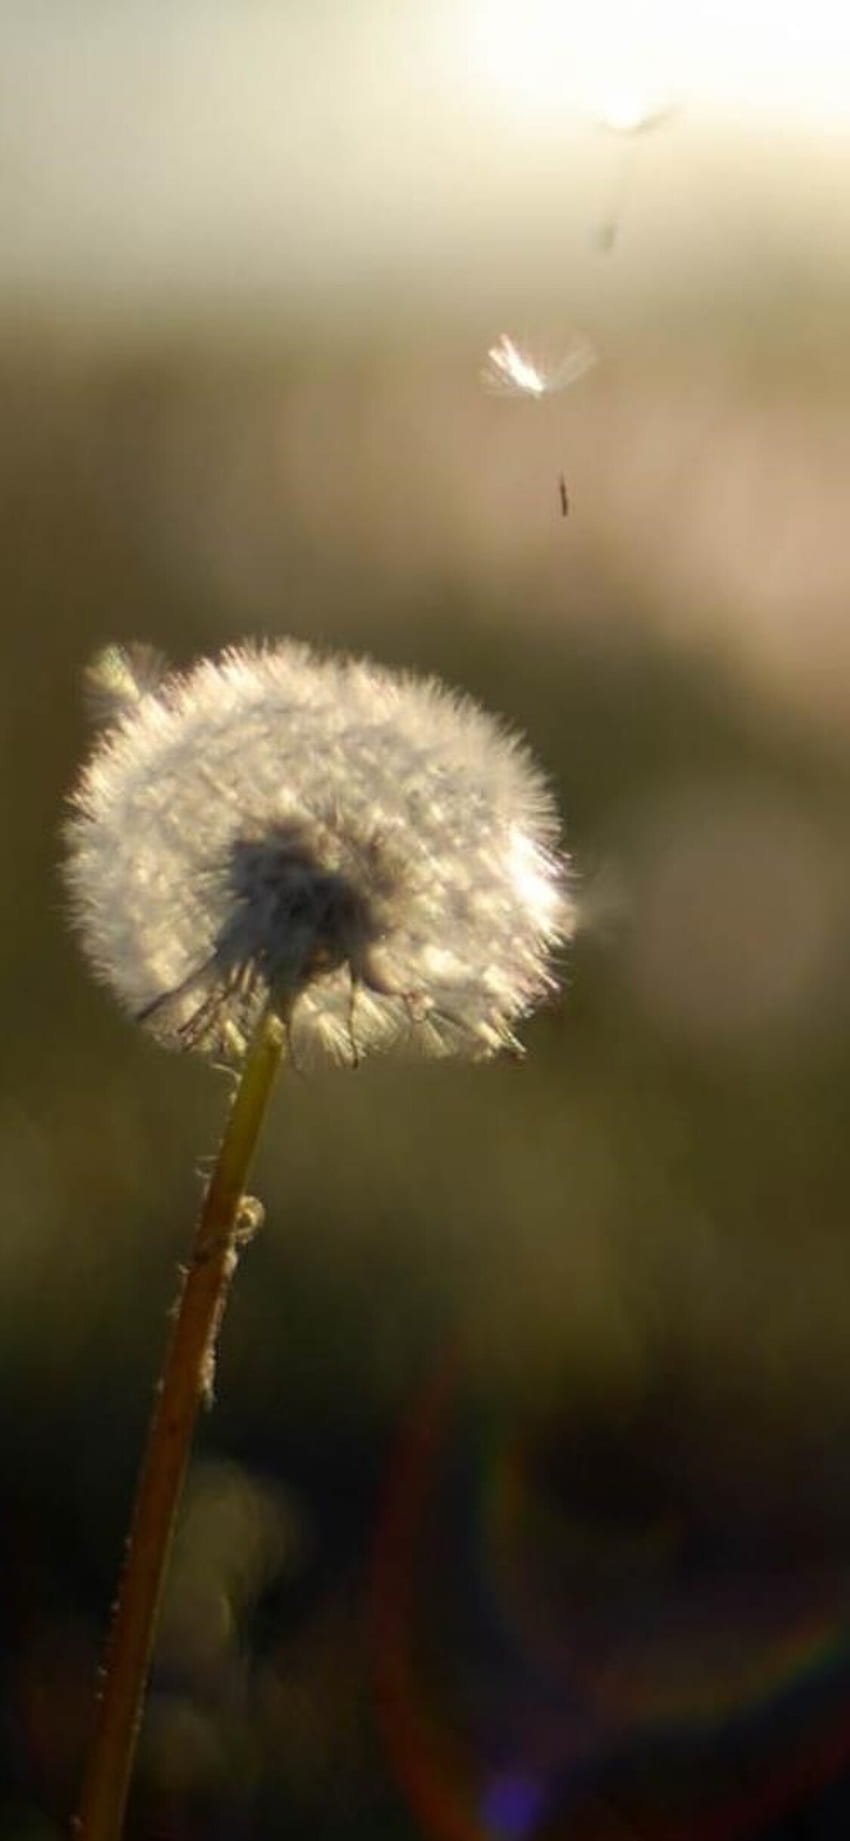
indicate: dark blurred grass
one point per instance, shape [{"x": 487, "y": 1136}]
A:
[{"x": 643, "y": 1227}]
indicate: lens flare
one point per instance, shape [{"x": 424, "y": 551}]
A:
[{"x": 540, "y": 1670}]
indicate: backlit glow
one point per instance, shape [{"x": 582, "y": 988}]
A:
[
  {"x": 531, "y": 875},
  {"x": 625, "y": 65}
]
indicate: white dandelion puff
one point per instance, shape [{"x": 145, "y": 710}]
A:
[
  {"x": 512, "y": 371},
  {"x": 371, "y": 853}
]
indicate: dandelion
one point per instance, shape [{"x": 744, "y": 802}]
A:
[
  {"x": 510, "y": 371},
  {"x": 276, "y": 846},
  {"x": 371, "y": 852}
]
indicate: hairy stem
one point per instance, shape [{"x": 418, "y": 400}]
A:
[{"x": 185, "y": 1380}]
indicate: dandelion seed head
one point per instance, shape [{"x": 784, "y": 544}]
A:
[{"x": 371, "y": 852}]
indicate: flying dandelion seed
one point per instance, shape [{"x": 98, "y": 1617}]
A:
[
  {"x": 628, "y": 117},
  {"x": 510, "y": 371}
]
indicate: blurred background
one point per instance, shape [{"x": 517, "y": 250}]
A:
[{"x": 523, "y": 1509}]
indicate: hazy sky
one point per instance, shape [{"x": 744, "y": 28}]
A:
[{"x": 324, "y": 157}]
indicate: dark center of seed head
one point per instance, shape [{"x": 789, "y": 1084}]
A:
[{"x": 296, "y": 918}]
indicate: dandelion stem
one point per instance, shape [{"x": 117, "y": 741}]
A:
[{"x": 184, "y": 1381}]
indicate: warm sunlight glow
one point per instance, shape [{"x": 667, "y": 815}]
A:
[
  {"x": 628, "y": 113},
  {"x": 629, "y": 66}
]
